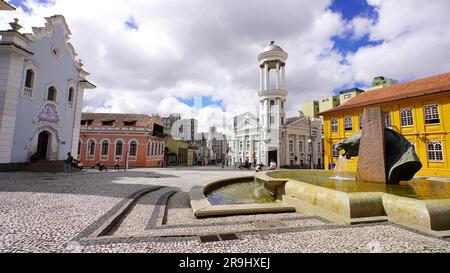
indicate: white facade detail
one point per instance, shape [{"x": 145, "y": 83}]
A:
[
  {"x": 295, "y": 141},
  {"x": 35, "y": 113}
]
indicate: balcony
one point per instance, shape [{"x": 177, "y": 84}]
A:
[{"x": 28, "y": 92}]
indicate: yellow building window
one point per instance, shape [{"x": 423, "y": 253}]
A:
[
  {"x": 435, "y": 151},
  {"x": 432, "y": 114},
  {"x": 388, "y": 119},
  {"x": 334, "y": 125},
  {"x": 413, "y": 144},
  {"x": 407, "y": 118},
  {"x": 348, "y": 124},
  {"x": 335, "y": 151}
]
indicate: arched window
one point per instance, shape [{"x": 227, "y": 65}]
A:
[
  {"x": 105, "y": 147},
  {"x": 348, "y": 124},
  {"x": 119, "y": 148},
  {"x": 435, "y": 151},
  {"x": 133, "y": 148},
  {"x": 70, "y": 97},
  {"x": 406, "y": 116},
  {"x": 148, "y": 148},
  {"x": 79, "y": 147},
  {"x": 51, "y": 94},
  {"x": 29, "y": 83},
  {"x": 91, "y": 147},
  {"x": 432, "y": 114},
  {"x": 334, "y": 125}
]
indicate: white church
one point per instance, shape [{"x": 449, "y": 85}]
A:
[
  {"x": 290, "y": 142},
  {"x": 41, "y": 93}
]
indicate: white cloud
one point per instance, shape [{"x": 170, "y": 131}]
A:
[
  {"x": 416, "y": 43},
  {"x": 209, "y": 48},
  {"x": 360, "y": 26}
]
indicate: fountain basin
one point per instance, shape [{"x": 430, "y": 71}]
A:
[
  {"x": 419, "y": 204},
  {"x": 203, "y": 207}
]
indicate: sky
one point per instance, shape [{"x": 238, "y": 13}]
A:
[{"x": 199, "y": 57}]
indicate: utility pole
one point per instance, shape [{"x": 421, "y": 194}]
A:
[{"x": 310, "y": 140}]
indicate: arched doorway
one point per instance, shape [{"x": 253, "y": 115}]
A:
[{"x": 42, "y": 147}]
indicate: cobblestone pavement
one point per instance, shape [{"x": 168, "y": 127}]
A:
[{"x": 51, "y": 213}]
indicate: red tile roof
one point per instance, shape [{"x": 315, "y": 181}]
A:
[
  {"x": 142, "y": 120},
  {"x": 5, "y": 6},
  {"x": 426, "y": 86}
]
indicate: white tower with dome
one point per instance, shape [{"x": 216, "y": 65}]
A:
[
  {"x": 293, "y": 142},
  {"x": 272, "y": 97}
]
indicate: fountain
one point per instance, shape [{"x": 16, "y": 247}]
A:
[
  {"x": 382, "y": 189},
  {"x": 340, "y": 170}
]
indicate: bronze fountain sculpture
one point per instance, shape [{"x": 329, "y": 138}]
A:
[{"x": 385, "y": 156}]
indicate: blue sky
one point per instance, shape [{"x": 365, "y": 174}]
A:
[
  {"x": 209, "y": 48},
  {"x": 20, "y": 3},
  {"x": 349, "y": 9}
]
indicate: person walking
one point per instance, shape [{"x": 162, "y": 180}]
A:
[
  {"x": 68, "y": 163},
  {"x": 117, "y": 164}
]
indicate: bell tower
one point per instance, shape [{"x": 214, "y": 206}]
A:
[{"x": 272, "y": 97}]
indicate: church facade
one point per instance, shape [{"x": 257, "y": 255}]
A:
[
  {"x": 41, "y": 93},
  {"x": 291, "y": 142}
]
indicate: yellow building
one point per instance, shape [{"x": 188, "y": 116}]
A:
[
  {"x": 178, "y": 152},
  {"x": 419, "y": 110}
]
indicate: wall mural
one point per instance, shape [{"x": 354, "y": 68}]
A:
[{"x": 48, "y": 114}]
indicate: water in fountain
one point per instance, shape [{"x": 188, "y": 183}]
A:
[
  {"x": 341, "y": 168},
  {"x": 258, "y": 189}
]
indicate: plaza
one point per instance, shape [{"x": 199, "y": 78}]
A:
[
  {"x": 50, "y": 212},
  {"x": 267, "y": 130}
]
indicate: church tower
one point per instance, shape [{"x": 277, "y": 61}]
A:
[{"x": 272, "y": 97}]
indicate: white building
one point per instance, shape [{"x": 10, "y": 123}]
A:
[
  {"x": 41, "y": 93},
  {"x": 295, "y": 141}
]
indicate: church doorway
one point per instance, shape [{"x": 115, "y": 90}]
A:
[
  {"x": 42, "y": 147},
  {"x": 273, "y": 155}
]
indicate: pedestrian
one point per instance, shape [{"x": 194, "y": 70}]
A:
[
  {"x": 273, "y": 165},
  {"x": 68, "y": 163},
  {"x": 117, "y": 164},
  {"x": 34, "y": 158}
]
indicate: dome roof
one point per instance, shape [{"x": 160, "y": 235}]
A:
[{"x": 272, "y": 47}]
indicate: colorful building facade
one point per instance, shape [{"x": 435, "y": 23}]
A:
[
  {"x": 42, "y": 84},
  {"x": 419, "y": 110},
  {"x": 108, "y": 137}
]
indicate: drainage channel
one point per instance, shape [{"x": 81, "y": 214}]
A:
[{"x": 113, "y": 222}]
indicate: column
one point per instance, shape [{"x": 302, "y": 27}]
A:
[
  {"x": 278, "y": 116},
  {"x": 277, "y": 86},
  {"x": 287, "y": 156},
  {"x": 283, "y": 76},
  {"x": 262, "y": 79},
  {"x": 268, "y": 113},
  {"x": 11, "y": 65},
  {"x": 266, "y": 77}
]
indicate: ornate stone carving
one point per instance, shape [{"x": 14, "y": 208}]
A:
[{"x": 48, "y": 114}]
